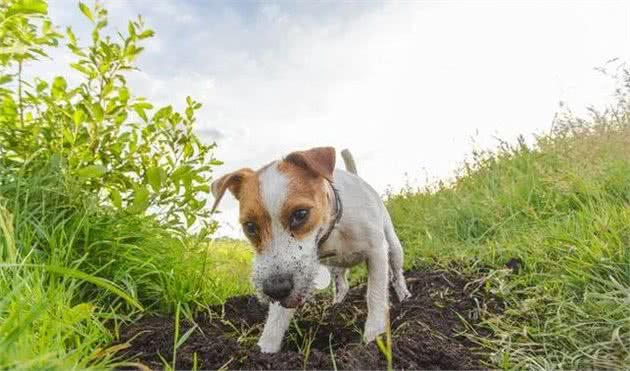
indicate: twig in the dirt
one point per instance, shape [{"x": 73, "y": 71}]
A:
[
  {"x": 243, "y": 334},
  {"x": 431, "y": 331},
  {"x": 225, "y": 365},
  {"x": 447, "y": 280}
]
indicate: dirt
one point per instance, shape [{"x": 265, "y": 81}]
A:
[{"x": 426, "y": 332}]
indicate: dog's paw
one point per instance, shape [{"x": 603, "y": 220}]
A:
[
  {"x": 402, "y": 292},
  {"x": 269, "y": 344},
  {"x": 269, "y": 347},
  {"x": 373, "y": 328},
  {"x": 341, "y": 293}
]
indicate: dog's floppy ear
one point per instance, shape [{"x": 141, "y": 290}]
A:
[
  {"x": 231, "y": 181},
  {"x": 319, "y": 161}
]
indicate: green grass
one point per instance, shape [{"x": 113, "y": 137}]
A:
[
  {"x": 563, "y": 208},
  {"x": 70, "y": 271}
]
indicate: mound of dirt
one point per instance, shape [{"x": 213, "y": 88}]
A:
[{"x": 425, "y": 331}]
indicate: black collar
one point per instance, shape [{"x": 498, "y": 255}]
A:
[{"x": 335, "y": 220}]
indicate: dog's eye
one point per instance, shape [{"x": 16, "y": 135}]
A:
[
  {"x": 250, "y": 228},
  {"x": 298, "y": 217}
]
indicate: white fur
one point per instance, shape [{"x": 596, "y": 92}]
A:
[
  {"x": 274, "y": 186},
  {"x": 277, "y": 324}
]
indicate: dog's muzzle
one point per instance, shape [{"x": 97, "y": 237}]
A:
[{"x": 278, "y": 286}]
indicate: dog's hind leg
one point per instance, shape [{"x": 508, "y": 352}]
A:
[
  {"x": 341, "y": 283},
  {"x": 278, "y": 320},
  {"x": 396, "y": 260},
  {"x": 377, "y": 291}
]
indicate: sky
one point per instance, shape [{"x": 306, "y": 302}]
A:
[{"x": 410, "y": 87}]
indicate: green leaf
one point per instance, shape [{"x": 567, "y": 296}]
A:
[
  {"x": 188, "y": 150},
  {"x": 71, "y": 37},
  {"x": 86, "y": 11},
  {"x": 123, "y": 94},
  {"x": 140, "y": 107},
  {"x": 180, "y": 172},
  {"x": 131, "y": 29},
  {"x": 92, "y": 171},
  {"x": 41, "y": 86},
  {"x": 58, "y": 88},
  {"x": 27, "y": 7},
  {"x": 5, "y": 79},
  {"x": 97, "y": 112},
  {"x": 140, "y": 200},
  {"x": 116, "y": 198},
  {"x": 154, "y": 176},
  {"x": 203, "y": 188},
  {"x": 68, "y": 135},
  {"x": 146, "y": 34},
  {"x": 143, "y": 105},
  {"x": 84, "y": 70},
  {"x": 78, "y": 116},
  {"x": 190, "y": 220}
]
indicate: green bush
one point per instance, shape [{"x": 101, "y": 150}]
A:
[
  {"x": 99, "y": 197},
  {"x": 126, "y": 153}
]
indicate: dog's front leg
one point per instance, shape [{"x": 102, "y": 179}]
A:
[
  {"x": 278, "y": 320},
  {"x": 377, "y": 293}
]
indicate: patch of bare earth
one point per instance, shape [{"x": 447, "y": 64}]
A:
[{"x": 426, "y": 332}]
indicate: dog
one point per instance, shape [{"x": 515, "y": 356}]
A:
[{"x": 300, "y": 212}]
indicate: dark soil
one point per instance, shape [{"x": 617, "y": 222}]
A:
[{"x": 426, "y": 332}]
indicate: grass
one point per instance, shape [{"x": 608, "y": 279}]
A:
[
  {"x": 70, "y": 271},
  {"x": 563, "y": 208}
]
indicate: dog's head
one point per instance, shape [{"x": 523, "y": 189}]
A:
[{"x": 285, "y": 208}]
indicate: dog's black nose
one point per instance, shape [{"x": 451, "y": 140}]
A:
[{"x": 278, "y": 286}]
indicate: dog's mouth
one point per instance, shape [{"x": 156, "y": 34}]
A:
[{"x": 293, "y": 302}]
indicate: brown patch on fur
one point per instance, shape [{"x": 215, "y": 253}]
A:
[
  {"x": 306, "y": 191},
  {"x": 253, "y": 210},
  {"x": 319, "y": 161},
  {"x": 231, "y": 182},
  {"x": 245, "y": 187}
]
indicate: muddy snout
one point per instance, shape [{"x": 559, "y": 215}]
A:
[{"x": 278, "y": 286}]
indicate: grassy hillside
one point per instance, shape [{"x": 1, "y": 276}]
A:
[{"x": 562, "y": 208}]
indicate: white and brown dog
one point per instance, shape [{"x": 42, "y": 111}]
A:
[{"x": 301, "y": 212}]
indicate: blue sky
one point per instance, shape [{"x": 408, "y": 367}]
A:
[{"x": 410, "y": 87}]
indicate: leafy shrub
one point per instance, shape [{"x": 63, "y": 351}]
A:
[
  {"x": 98, "y": 193},
  {"x": 126, "y": 153}
]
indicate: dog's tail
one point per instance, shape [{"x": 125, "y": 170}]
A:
[{"x": 348, "y": 161}]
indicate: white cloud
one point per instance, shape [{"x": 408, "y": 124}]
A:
[{"x": 404, "y": 85}]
